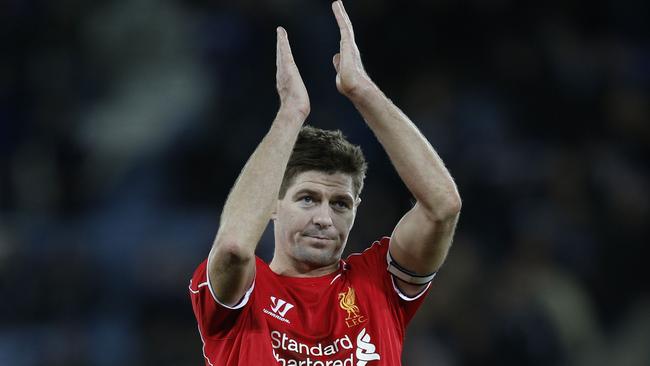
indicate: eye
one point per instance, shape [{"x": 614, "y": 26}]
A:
[
  {"x": 341, "y": 204},
  {"x": 307, "y": 199}
]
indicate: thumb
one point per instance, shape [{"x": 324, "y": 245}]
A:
[{"x": 336, "y": 60}]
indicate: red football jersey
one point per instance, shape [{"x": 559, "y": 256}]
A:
[{"x": 355, "y": 316}]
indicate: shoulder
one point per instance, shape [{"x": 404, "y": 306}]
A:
[
  {"x": 201, "y": 289},
  {"x": 376, "y": 253},
  {"x": 217, "y": 320},
  {"x": 371, "y": 261},
  {"x": 200, "y": 275}
]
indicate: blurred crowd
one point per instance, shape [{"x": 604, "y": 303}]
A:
[{"x": 123, "y": 126}]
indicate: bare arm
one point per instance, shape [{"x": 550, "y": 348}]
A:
[
  {"x": 250, "y": 203},
  {"x": 422, "y": 238}
]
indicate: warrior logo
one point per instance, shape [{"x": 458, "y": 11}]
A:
[
  {"x": 348, "y": 302},
  {"x": 279, "y": 309},
  {"x": 280, "y": 306}
]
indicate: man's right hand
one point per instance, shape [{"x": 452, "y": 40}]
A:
[{"x": 291, "y": 89}]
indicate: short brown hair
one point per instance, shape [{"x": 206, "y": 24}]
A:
[{"x": 325, "y": 151}]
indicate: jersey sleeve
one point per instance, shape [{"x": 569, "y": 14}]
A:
[
  {"x": 215, "y": 319},
  {"x": 374, "y": 263}
]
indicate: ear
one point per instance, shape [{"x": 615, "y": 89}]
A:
[
  {"x": 274, "y": 213},
  {"x": 355, "y": 206},
  {"x": 357, "y": 202}
]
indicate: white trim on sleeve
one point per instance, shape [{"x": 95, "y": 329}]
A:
[
  {"x": 240, "y": 304},
  {"x": 405, "y": 297}
]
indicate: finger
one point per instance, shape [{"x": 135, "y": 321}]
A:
[
  {"x": 336, "y": 60},
  {"x": 278, "y": 59},
  {"x": 343, "y": 21},
  {"x": 346, "y": 17},
  {"x": 283, "y": 53}
]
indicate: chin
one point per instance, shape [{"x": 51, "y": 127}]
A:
[{"x": 316, "y": 256}]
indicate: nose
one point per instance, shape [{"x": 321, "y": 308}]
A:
[{"x": 322, "y": 217}]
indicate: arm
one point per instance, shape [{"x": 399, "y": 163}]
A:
[
  {"x": 246, "y": 213},
  {"x": 422, "y": 237}
]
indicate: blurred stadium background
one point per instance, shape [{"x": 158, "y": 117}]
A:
[{"x": 124, "y": 124}]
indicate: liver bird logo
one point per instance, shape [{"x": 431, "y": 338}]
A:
[{"x": 348, "y": 302}]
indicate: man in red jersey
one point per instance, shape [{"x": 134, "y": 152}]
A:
[{"x": 308, "y": 307}]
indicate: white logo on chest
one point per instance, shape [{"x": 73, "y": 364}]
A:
[
  {"x": 365, "y": 349},
  {"x": 289, "y": 351},
  {"x": 280, "y": 306}
]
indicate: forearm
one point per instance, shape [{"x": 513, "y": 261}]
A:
[
  {"x": 248, "y": 208},
  {"x": 416, "y": 162},
  {"x": 250, "y": 203}
]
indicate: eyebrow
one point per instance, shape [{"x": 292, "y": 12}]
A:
[
  {"x": 306, "y": 190},
  {"x": 340, "y": 196}
]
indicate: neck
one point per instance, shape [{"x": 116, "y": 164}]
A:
[{"x": 294, "y": 268}]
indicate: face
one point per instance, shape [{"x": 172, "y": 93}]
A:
[{"x": 313, "y": 220}]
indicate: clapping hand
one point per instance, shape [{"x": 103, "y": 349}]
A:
[
  {"x": 291, "y": 89},
  {"x": 351, "y": 78}
]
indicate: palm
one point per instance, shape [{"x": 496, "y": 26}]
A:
[
  {"x": 291, "y": 89},
  {"x": 350, "y": 74}
]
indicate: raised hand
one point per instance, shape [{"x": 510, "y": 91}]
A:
[
  {"x": 351, "y": 78},
  {"x": 291, "y": 89}
]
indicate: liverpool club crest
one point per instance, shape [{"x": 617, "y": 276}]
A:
[{"x": 348, "y": 302}]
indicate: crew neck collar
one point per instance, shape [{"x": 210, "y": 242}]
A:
[{"x": 310, "y": 280}]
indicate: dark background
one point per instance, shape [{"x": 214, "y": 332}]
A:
[{"x": 124, "y": 124}]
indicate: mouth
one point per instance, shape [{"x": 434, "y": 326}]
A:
[{"x": 316, "y": 237}]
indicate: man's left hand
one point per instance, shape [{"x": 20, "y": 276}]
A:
[{"x": 351, "y": 78}]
